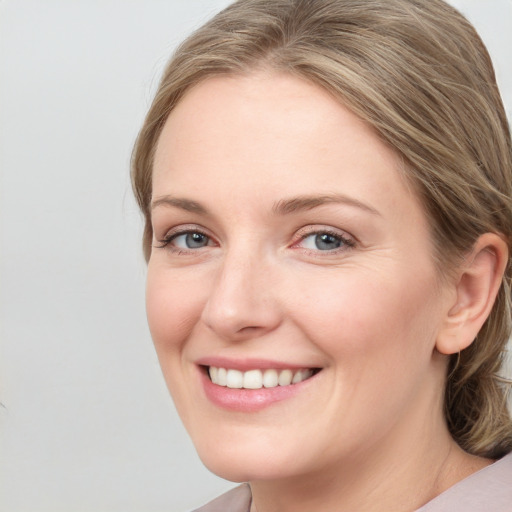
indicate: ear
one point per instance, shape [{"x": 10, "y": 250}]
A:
[{"x": 479, "y": 279}]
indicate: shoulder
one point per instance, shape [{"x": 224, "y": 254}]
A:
[
  {"x": 235, "y": 500},
  {"x": 488, "y": 489}
]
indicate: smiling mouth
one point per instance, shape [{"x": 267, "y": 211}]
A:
[{"x": 258, "y": 379}]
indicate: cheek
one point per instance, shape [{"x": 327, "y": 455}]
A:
[
  {"x": 366, "y": 315},
  {"x": 173, "y": 306},
  {"x": 379, "y": 335}
]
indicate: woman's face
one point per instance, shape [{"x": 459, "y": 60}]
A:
[{"x": 287, "y": 246}]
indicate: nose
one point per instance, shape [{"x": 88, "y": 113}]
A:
[{"x": 242, "y": 303}]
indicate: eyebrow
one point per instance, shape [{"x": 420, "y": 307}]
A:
[
  {"x": 301, "y": 203},
  {"x": 282, "y": 207},
  {"x": 181, "y": 203}
]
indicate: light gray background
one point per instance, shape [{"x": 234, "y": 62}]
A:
[{"x": 87, "y": 423}]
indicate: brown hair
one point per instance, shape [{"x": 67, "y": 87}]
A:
[{"x": 416, "y": 71}]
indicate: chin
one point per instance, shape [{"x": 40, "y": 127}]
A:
[
  {"x": 242, "y": 462},
  {"x": 236, "y": 469},
  {"x": 232, "y": 470}
]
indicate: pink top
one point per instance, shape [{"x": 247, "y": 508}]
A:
[{"x": 489, "y": 489}]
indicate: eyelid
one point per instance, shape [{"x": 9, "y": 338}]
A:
[
  {"x": 180, "y": 230},
  {"x": 348, "y": 240}
]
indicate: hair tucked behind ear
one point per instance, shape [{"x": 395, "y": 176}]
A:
[
  {"x": 476, "y": 396},
  {"x": 419, "y": 74}
]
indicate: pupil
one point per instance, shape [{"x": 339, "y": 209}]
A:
[
  {"x": 327, "y": 242},
  {"x": 196, "y": 240}
]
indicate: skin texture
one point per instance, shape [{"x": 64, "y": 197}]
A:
[{"x": 367, "y": 432}]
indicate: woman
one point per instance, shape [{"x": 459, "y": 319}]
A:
[{"x": 327, "y": 193}]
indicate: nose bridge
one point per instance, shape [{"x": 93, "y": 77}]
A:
[{"x": 241, "y": 302}]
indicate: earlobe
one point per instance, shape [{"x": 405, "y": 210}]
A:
[{"x": 479, "y": 280}]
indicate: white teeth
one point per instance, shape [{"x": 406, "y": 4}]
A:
[
  {"x": 253, "y": 379},
  {"x": 301, "y": 375},
  {"x": 270, "y": 378},
  {"x": 257, "y": 379},
  {"x": 285, "y": 377},
  {"x": 235, "y": 379},
  {"x": 297, "y": 377},
  {"x": 222, "y": 377},
  {"x": 213, "y": 371}
]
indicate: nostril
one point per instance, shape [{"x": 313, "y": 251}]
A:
[
  {"x": 250, "y": 328},
  {"x": 241, "y": 304}
]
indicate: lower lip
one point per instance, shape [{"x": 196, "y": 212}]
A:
[{"x": 249, "y": 400}]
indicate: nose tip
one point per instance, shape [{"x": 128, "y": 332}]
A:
[
  {"x": 242, "y": 303},
  {"x": 238, "y": 324}
]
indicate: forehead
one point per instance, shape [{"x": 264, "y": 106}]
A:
[
  {"x": 264, "y": 99},
  {"x": 266, "y": 132}
]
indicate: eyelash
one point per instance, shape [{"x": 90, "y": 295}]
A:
[
  {"x": 346, "y": 242},
  {"x": 172, "y": 235}
]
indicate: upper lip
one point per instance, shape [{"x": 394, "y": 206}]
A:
[{"x": 246, "y": 364}]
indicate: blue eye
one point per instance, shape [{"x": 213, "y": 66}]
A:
[
  {"x": 190, "y": 240},
  {"x": 324, "y": 241}
]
